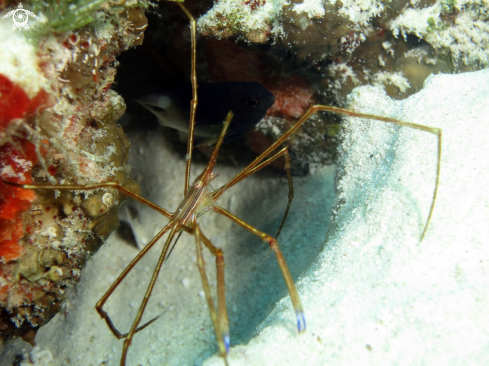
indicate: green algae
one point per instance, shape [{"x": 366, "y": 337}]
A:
[{"x": 58, "y": 16}]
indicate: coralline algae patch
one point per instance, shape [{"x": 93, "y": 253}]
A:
[
  {"x": 360, "y": 42},
  {"x": 58, "y": 126}
]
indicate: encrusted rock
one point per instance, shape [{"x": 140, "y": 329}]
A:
[{"x": 58, "y": 126}]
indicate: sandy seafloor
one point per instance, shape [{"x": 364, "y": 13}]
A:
[{"x": 373, "y": 293}]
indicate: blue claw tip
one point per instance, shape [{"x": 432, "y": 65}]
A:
[
  {"x": 227, "y": 342},
  {"x": 301, "y": 321}
]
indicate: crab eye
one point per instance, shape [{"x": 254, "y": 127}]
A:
[{"x": 252, "y": 102}]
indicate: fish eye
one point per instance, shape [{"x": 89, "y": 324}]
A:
[{"x": 252, "y": 102}]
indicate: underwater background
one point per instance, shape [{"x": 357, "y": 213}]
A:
[{"x": 71, "y": 73}]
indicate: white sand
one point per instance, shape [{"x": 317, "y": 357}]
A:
[{"x": 373, "y": 294}]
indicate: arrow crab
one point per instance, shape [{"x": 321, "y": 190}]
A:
[{"x": 198, "y": 198}]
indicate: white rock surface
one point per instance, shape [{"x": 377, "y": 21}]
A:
[{"x": 373, "y": 293}]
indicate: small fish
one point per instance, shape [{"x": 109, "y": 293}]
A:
[{"x": 249, "y": 102}]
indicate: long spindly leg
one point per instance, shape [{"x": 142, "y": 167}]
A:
[
  {"x": 193, "y": 102},
  {"x": 89, "y": 187},
  {"x": 103, "y": 300},
  {"x": 294, "y": 296},
  {"x": 222, "y": 315},
  {"x": 245, "y": 174},
  {"x": 291, "y": 193},
  {"x": 322, "y": 108},
  {"x": 161, "y": 260},
  {"x": 223, "y": 347}
]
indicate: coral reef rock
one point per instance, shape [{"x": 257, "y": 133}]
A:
[
  {"x": 58, "y": 126},
  {"x": 393, "y": 45},
  {"x": 332, "y": 47}
]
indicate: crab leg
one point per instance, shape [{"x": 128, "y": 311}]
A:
[
  {"x": 285, "y": 153},
  {"x": 294, "y": 296},
  {"x": 161, "y": 260},
  {"x": 322, "y": 108},
  {"x": 193, "y": 102},
  {"x": 117, "y": 282},
  {"x": 222, "y": 315},
  {"x": 221, "y": 342},
  {"x": 89, "y": 187}
]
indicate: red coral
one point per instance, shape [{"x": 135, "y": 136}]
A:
[
  {"x": 13, "y": 102},
  {"x": 17, "y": 157},
  {"x": 15, "y": 165},
  {"x": 9, "y": 244}
]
